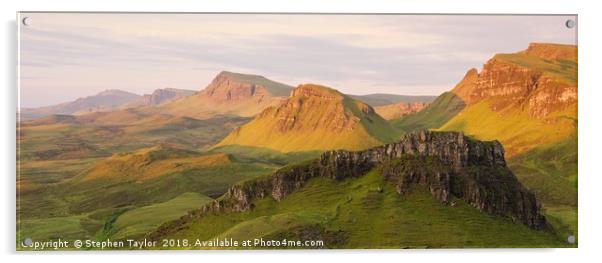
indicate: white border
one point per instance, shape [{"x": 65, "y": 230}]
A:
[{"x": 589, "y": 126}]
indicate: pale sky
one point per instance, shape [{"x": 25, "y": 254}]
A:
[{"x": 64, "y": 56}]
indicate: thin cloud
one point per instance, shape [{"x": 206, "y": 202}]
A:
[{"x": 65, "y": 56}]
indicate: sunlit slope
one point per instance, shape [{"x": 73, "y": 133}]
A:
[
  {"x": 513, "y": 127},
  {"x": 151, "y": 162},
  {"x": 524, "y": 100},
  {"x": 314, "y": 118},
  {"x": 550, "y": 171},
  {"x": 445, "y": 107},
  {"x": 88, "y": 204}
]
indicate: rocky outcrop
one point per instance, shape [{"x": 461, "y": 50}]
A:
[
  {"x": 449, "y": 164},
  {"x": 298, "y": 112},
  {"x": 314, "y": 118},
  {"x": 540, "y": 80},
  {"x": 229, "y": 93},
  {"x": 229, "y": 86}
]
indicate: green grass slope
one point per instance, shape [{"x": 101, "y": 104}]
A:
[
  {"x": 550, "y": 172},
  {"x": 512, "y": 126},
  {"x": 85, "y": 204},
  {"x": 139, "y": 221},
  {"x": 250, "y": 154},
  {"x": 444, "y": 108},
  {"x": 367, "y": 212}
]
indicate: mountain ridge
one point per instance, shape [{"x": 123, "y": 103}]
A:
[
  {"x": 103, "y": 101},
  {"x": 314, "y": 117},
  {"x": 228, "y": 93},
  {"x": 536, "y": 95},
  {"x": 160, "y": 96}
]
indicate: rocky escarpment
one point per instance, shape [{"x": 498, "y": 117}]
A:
[
  {"x": 229, "y": 86},
  {"x": 449, "y": 164},
  {"x": 541, "y": 80},
  {"x": 229, "y": 93},
  {"x": 314, "y": 117},
  {"x": 299, "y": 112}
]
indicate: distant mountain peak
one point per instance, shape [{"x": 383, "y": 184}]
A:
[{"x": 234, "y": 86}]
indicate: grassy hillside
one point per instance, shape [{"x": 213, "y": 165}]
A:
[
  {"x": 317, "y": 118},
  {"x": 445, "y": 107},
  {"x": 550, "y": 172},
  {"x": 513, "y": 127},
  {"x": 367, "y": 212},
  {"x": 148, "y": 163},
  {"x": 249, "y": 154},
  {"x": 139, "y": 221},
  {"x": 93, "y": 199},
  {"x": 207, "y": 107},
  {"x": 38, "y": 141}
]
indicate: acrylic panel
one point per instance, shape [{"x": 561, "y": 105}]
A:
[{"x": 296, "y": 131}]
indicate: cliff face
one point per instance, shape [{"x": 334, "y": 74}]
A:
[
  {"x": 229, "y": 93},
  {"x": 225, "y": 88},
  {"x": 314, "y": 117},
  {"x": 229, "y": 86},
  {"x": 541, "y": 80},
  {"x": 312, "y": 106},
  {"x": 524, "y": 100},
  {"x": 449, "y": 164}
]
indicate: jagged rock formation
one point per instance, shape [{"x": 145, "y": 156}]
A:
[
  {"x": 448, "y": 163},
  {"x": 314, "y": 117}
]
